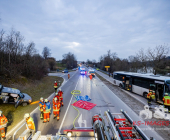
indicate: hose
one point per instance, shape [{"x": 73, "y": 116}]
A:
[{"x": 73, "y": 93}]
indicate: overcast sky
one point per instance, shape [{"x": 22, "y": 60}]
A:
[{"x": 88, "y": 28}]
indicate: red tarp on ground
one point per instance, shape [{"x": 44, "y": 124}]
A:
[{"x": 84, "y": 105}]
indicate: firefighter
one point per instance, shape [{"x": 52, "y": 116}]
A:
[
  {"x": 60, "y": 94},
  {"x": 56, "y": 108},
  {"x": 166, "y": 100},
  {"x": 3, "y": 124},
  {"x": 150, "y": 96},
  {"x": 91, "y": 76},
  {"x": 46, "y": 111},
  {"x": 55, "y": 86},
  {"x": 41, "y": 103},
  {"x": 29, "y": 123},
  {"x": 68, "y": 76}
]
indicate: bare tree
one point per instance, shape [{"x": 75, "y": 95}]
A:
[
  {"x": 134, "y": 63},
  {"x": 70, "y": 60},
  {"x": 143, "y": 58},
  {"x": 46, "y": 52},
  {"x": 157, "y": 57}
]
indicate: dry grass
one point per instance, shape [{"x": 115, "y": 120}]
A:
[{"x": 35, "y": 89}]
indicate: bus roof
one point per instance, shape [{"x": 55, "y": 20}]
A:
[{"x": 144, "y": 75}]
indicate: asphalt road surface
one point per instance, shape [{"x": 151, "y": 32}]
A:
[{"x": 100, "y": 95}]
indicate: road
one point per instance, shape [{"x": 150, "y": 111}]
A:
[{"x": 100, "y": 95}]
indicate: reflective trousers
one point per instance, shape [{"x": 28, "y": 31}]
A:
[
  {"x": 149, "y": 101},
  {"x": 61, "y": 101},
  {"x": 56, "y": 114},
  {"x": 47, "y": 117},
  {"x": 41, "y": 115},
  {"x": 2, "y": 131}
]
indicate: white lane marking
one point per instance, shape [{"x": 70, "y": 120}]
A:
[
  {"x": 22, "y": 121},
  {"x": 81, "y": 121},
  {"x": 67, "y": 109}
]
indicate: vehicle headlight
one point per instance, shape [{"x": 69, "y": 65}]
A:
[
  {"x": 30, "y": 101},
  {"x": 69, "y": 134}
]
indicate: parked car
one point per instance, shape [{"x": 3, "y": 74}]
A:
[
  {"x": 65, "y": 71},
  {"x": 14, "y": 96}
]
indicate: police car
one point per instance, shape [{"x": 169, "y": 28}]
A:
[{"x": 14, "y": 96}]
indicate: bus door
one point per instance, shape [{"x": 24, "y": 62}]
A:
[
  {"x": 128, "y": 83},
  {"x": 159, "y": 90}
]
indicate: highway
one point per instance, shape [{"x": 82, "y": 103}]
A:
[{"x": 100, "y": 95}]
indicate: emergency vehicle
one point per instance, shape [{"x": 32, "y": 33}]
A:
[
  {"x": 114, "y": 126},
  {"x": 91, "y": 72},
  {"x": 14, "y": 96}
]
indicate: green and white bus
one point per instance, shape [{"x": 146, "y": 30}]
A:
[{"x": 141, "y": 83}]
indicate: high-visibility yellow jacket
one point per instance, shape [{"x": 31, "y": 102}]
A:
[
  {"x": 151, "y": 95},
  {"x": 30, "y": 123},
  {"x": 166, "y": 100}
]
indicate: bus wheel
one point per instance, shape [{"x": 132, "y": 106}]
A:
[{"x": 145, "y": 95}]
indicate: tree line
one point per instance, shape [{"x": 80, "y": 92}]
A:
[
  {"x": 153, "y": 60},
  {"x": 19, "y": 59}
]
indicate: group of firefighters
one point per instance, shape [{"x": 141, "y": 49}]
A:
[
  {"x": 166, "y": 99},
  {"x": 45, "y": 105}
]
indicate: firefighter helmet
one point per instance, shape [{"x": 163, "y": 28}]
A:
[
  {"x": 60, "y": 89},
  {"x": 56, "y": 93},
  {"x": 166, "y": 94},
  {"x": 46, "y": 100},
  {"x": 27, "y": 115},
  {"x": 55, "y": 99},
  {"x": 41, "y": 98},
  {"x": 0, "y": 112},
  {"x": 55, "y": 82}
]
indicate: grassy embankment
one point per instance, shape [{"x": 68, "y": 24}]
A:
[{"x": 36, "y": 89}]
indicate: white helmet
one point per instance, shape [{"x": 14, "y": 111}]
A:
[
  {"x": 54, "y": 81},
  {"x": 0, "y": 112},
  {"x": 46, "y": 100},
  {"x": 166, "y": 94},
  {"x": 55, "y": 99},
  {"x": 60, "y": 89},
  {"x": 56, "y": 93},
  {"x": 27, "y": 115},
  {"x": 41, "y": 98}
]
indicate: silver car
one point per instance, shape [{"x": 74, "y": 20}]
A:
[{"x": 14, "y": 96}]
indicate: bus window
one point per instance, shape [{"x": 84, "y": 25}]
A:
[{"x": 152, "y": 87}]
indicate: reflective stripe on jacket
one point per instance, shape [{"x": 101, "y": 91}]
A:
[
  {"x": 166, "y": 100},
  {"x": 41, "y": 106},
  {"x": 56, "y": 106},
  {"x": 60, "y": 94},
  {"x": 55, "y": 85},
  {"x": 30, "y": 123},
  {"x": 3, "y": 120}
]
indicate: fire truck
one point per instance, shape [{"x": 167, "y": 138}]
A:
[{"x": 111, "y": 126}]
